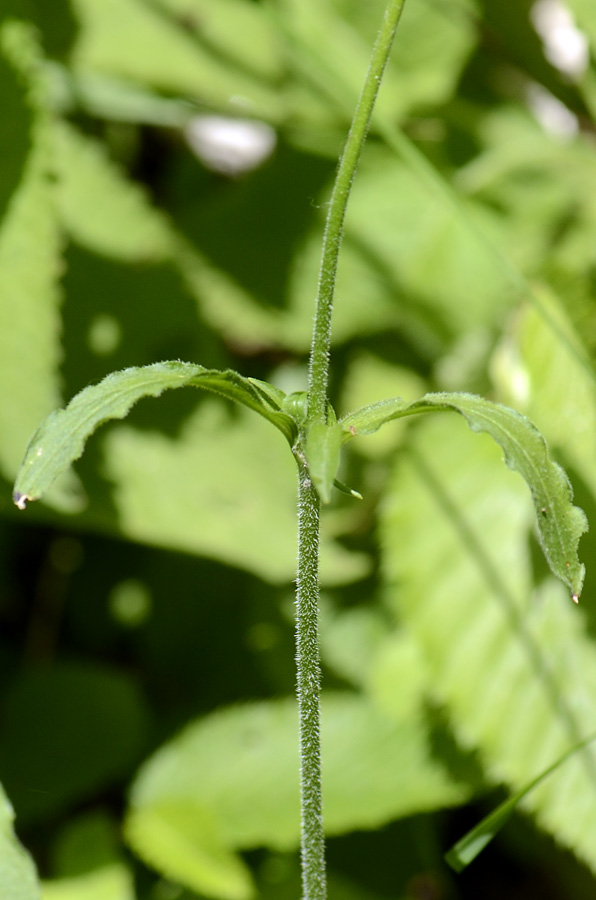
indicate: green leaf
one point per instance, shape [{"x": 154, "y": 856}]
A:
[
  {"x": 370, "y": 418},
  {"x": 55, "y": 719},
  {"x": 273, "y": 395},
  {"x": 412, "y": 268},
  {"x": 542, "y": 368},
  {"x": 223, "y": 487},
  {"x": 182, "y": 841},
  {"x": 113, "y": 882},
  {"x": 467, "y": 848},
  {"x": 346, "y": 490},
  {"x": 323, "y": 445},
  {"x": 101, "y": 209},
  {"x": 231, "y": 780},
  {"x": 124, "y": 225},
  {"x": 115, "y": 99},
  {"x": 433, "y": 47},
  {"x": 18, "y": 879},
  {"x": 60, "y": 440},
  {"x": 560, "y": 524},
  {"x": 515, "y": 668},
  {"x": 251, "y": 44},
  {"x": 370, "y": 378},
  {"x": 351, "y": 640},
  {"x": 152, "y": 48},
  {"x": 15, "y": 127},
  {"x": 29, "y": 271},
  {"x": 86, "y": 841},
  {"x": 295, "y": 405}
]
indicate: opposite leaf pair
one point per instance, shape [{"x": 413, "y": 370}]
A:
[{"x": 60, "y": 440}]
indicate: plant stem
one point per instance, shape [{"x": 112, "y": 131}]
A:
[
  {"x": 309, "y": 688},
  {"x": 321, "y": 341},
  {"x": 307, "y": 593}
]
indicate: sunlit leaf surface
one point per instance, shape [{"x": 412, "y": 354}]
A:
[
  {"x": 231, "y": 781},
  {"x": 514, "y": 667},
  {"x": 18, "y": 877},
  {"x": 113, "y": 882},
  {"x": 30, "y": 248}
]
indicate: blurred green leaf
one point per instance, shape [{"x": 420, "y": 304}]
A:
[
  {"x": 183, "y": 841},
  {"x": 515, "y": 668},
  {"x": 351, "y": 640},
  {"x": 231, "y": 780},
  {"x": 15, "y": 126},
  {"x": 223, "y": 489},
  {"x": 29, "y": 270},
  {"x": 151, "y": 48},
  {"x": 108, "y": 214},
  {"x": 18, "y": 878},
  {"x": 68, "y": 732},
  {"x": 404, "y": 266},
  {"x": 113, "y": 882},
  {"x": 116, "y": 99},
  {"x": 250, "y": 44},
  {"x": 433, "y": 46},
  {"x": 539, "y": 181},
  {"x": 86, "y": 842},
  {"x": 542, "y": 368},
  {"x": 101, "y": 209}
]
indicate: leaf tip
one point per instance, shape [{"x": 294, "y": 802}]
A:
[
  {"x": 346, "y": 490},
  {"x": 453, "y": 861},
  {"x": 20, "y": 500}
]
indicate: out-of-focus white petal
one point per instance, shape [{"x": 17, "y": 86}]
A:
[
  {"x": 565, "y": 46},
  {"x": 230, "y": 146}
]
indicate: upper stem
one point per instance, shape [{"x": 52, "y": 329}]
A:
[{"x": 321, "y": 341}]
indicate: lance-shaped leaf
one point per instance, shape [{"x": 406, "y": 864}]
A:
[
  {"x": 560, "y": 524},
  {"x": 60, "y": 440},
  {"x": 467, "y": 848}
]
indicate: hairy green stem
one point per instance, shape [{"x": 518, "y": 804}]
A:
[
  {"x": 307, "y": 594},
  {"x": 321, "y": 341},
  {"x": 309, "y": 688}
]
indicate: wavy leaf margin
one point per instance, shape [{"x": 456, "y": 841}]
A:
[
  {"x": 560, "y": 524},
  {"x": 61, "y": 438}
]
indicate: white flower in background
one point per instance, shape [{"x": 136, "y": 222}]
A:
[
  {"x": 565, "y": 46},
  {"x": 554, "y": 116},
  {"x": 230, "y": 146}
]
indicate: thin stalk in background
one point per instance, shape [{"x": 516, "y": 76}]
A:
[{"x": 307, "y": 593}]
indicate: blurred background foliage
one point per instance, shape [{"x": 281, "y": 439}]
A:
[{"x": 147, "y": 726}]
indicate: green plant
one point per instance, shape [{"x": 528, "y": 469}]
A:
[
  {"x": 470, "y": 647},
  {"x": 316, "y": 437}
]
